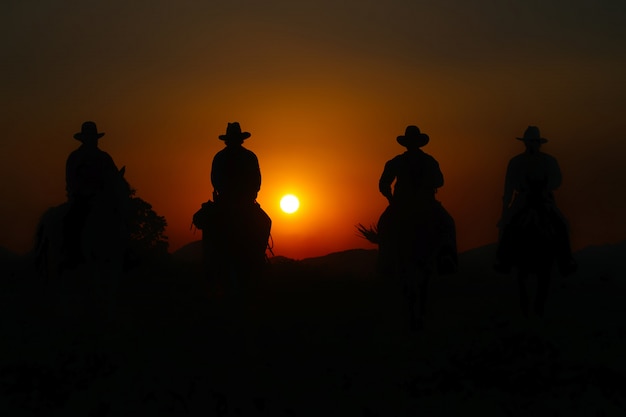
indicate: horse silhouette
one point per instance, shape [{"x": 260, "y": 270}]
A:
[
  {"x": 104, "y": 240},
  {"x": 413, "y": 245},
  {"x": 530, "y": 244},
  {"x": 234, "y": 242}
]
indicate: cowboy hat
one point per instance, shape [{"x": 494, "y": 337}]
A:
[
  {"x": 88, "y": 130},
  {"x": 532, "y": 134},
  {"x": 233, "y": 132},
  {"x": 412, "y": 134}
]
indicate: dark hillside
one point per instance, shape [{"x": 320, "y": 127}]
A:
[{"x": 316, "y": 337}]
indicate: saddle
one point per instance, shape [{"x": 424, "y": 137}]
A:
[
  {"x": 242, "y": 231},
  {"x": 201, "y": 219},
  {"x": 424, "y": 235}
]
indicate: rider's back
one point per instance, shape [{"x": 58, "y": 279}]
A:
[
  {"x": 537, "y": 166},
  {"x": 89, "y": 171},
  {"x": 417, "y": 176},
  {"x": 235, "y": 174},
  {"x": 524, "y": 173}
]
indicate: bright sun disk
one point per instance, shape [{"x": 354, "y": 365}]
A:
[{"x": 289, "y": 203}]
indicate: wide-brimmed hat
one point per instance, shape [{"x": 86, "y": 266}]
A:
[
  {"x": 532, "y": 134},
  {"x": 88, "y": 130},
  {"x": 233, "y": 132},
  {"x": 412, "y": 134}
]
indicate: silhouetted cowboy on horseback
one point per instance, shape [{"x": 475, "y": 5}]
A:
[
  {"x": 417, "y": 177},
  {"x": 416, "y": 235},
  {"x": 89, "y": 172},
  {"x": 526, "y": 172},
  {"x": 235, "y": 230}
]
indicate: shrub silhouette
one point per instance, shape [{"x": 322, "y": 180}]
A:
[{"x": 146, "y": 230}]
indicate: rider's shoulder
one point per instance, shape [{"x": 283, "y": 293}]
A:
[
  {"x": 249, "y": 152},
  {"x": 398, "y": 159},
  {"x": 246, "y": 156},
  {"x": 423, "y": 158},
  {"x": 79, "y": 154},
  {"x": 104, "y": 154},
  {"x": 547, "y": 157},
  {"x": 429, "y": 157},
  {"x": 519, "y": 157},
  {"x": 74, "y": 154},
  {"x": 523, "y": 159}
]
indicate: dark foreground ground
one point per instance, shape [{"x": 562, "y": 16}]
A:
[{"x": 316, "y": 338}]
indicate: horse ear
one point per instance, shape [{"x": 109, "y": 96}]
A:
[{"x": 123, "y": 170}]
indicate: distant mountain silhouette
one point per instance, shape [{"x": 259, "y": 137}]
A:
[
  {"x": 7, "y": 256},
  {"x": 604, "y": 262},
  {"x": 594, "y": 260},
  {"x": 351, "y": 261},
  {"x": 355, "y": 262},
  {"x": 279, "y": 259},
  {"x": 11, "y": 264},
  {"x": 191, "y": 252}
]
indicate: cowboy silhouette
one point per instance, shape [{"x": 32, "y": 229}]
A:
[
  {"x": 412, "y": 202},
  {"x": 235, "y": 172},
  {"x": 525, "y": 172},
  {"x": 235, "y": 230},
  {"x": 89, "y": 171},
  {"x": 417, "y": 174},
  {"x": 415, "y": 234}
]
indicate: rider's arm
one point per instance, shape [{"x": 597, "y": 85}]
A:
[
  {"x": 509, "y": 185},
  {"x": 554, "y": 175},
  {"x": 435, "y": 176},
  {"x": 110, "y": 173},
  {"x": 72, "y": 178},
  {"x": 386, "y": 179},
  {"x": 69, "y": 179},
  {"x": 257, "y": 174},
  {"x": 216, "y": 174}
]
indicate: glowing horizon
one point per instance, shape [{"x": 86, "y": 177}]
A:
[{"x": 324, "y": 88}]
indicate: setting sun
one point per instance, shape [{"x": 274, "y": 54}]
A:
[{"x": 289, "y": 203}]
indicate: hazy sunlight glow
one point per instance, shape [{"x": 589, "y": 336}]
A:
[{"x": 289, "y": 203}]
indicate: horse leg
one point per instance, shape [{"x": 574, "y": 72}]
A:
[
  {"x": 410, "y": 293},
  {"x": 522, "y": 279},
  {"x": 422, "y": 287},
  {"x": 421, "y": 279},
  {"x": 212, "y": 265},
  {"x": 102, "y": 281},
  {"x": 234, "y": 278},
  {"x": 415, "y": 289},
  {"x": 543, "y": 285},
  {"x": 110, "y": 285}
]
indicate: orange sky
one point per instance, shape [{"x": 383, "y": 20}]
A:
[{"x": 324, "y": 88}]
